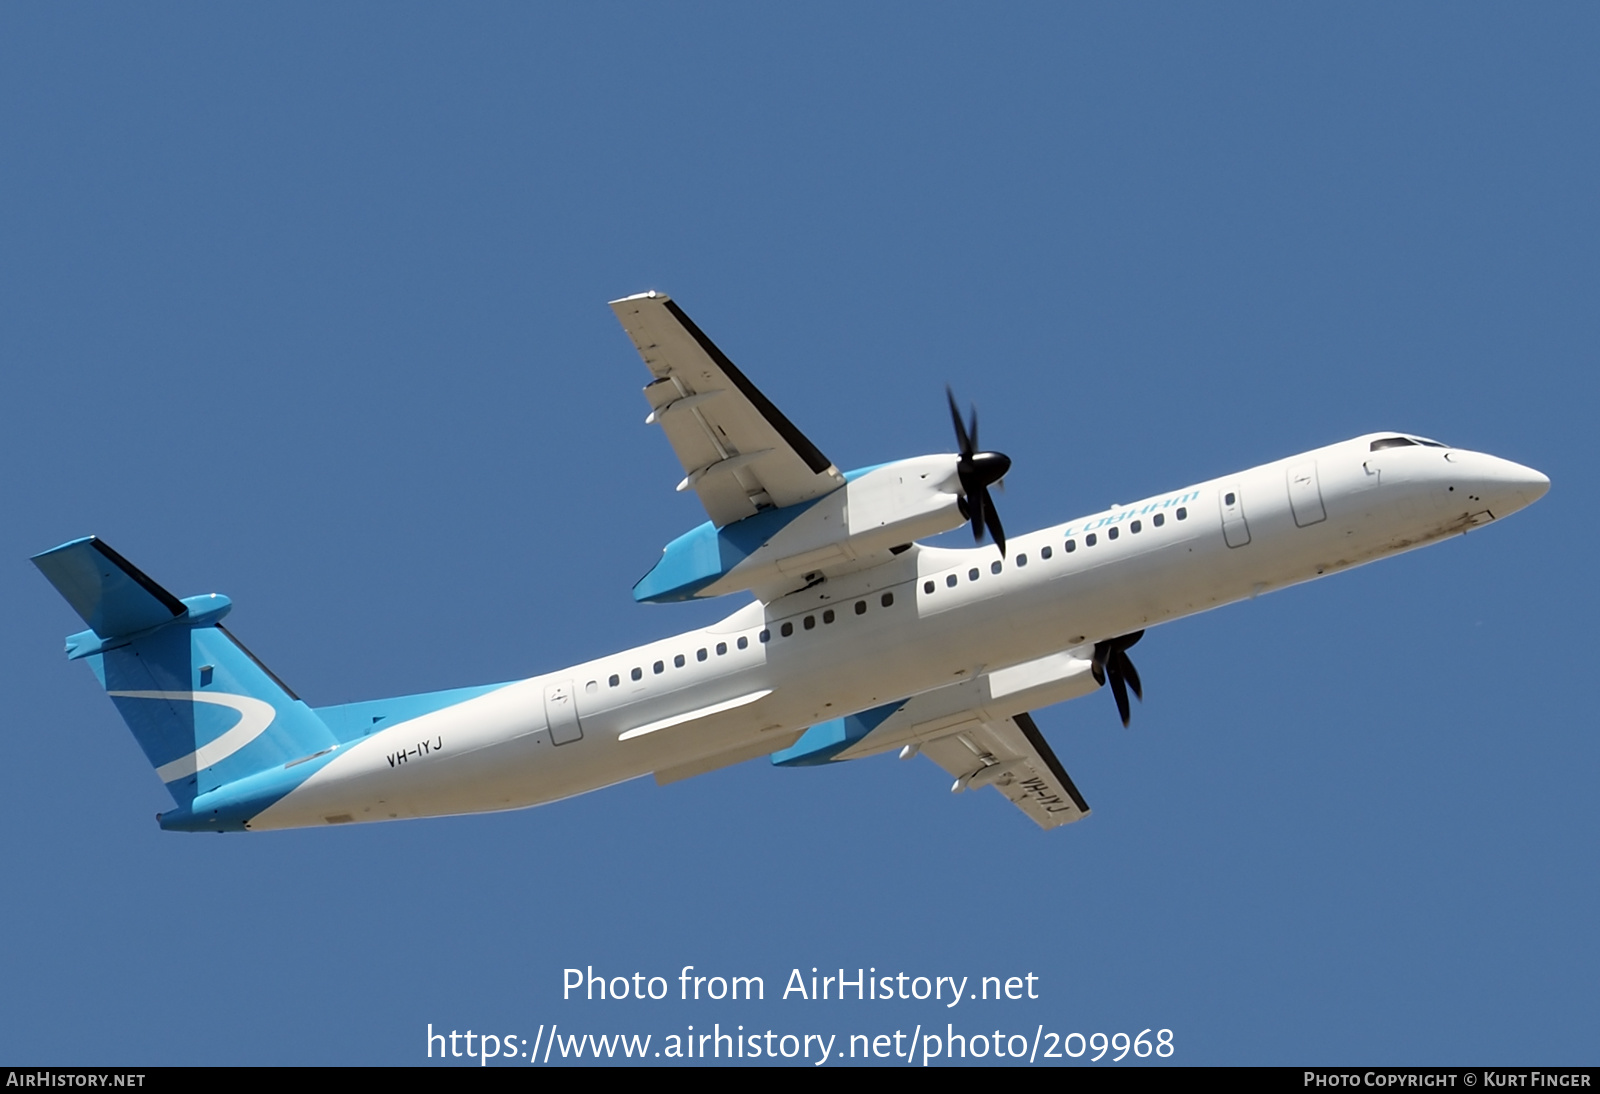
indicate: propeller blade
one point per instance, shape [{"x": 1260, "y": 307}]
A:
[
  {"x": 1130, "y": 673},
  {"x": 977, "y": 471},
  {"x": 991, "y": 517},
  {"x": 964, "y": 445},
  {"x": 1111, "y": 664},
  {"x": 1119, "y": 690}
]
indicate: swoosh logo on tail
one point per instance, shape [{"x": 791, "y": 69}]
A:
[{"x": 254, "y": 718}]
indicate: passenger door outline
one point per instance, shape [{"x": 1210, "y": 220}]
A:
[{"x": 561, "y": 713}]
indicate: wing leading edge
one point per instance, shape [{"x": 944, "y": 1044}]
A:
[{"x": 739, "y": 453}]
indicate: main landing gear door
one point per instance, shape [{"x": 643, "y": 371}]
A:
[
  {"x": 561, "y": 712},
  {"x": 1234, "y": 529}
]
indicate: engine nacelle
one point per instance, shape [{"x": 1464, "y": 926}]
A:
[{"x": 780, "y": 550}]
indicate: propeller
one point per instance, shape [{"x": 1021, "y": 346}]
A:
[
  {"x": 978, "y": 471},
  {"x": 1111, "y": 662}
]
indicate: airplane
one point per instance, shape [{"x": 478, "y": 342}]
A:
[{"x": 859, "y": 638}]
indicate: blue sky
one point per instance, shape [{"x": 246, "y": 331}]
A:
[{"x": 306, "y": 305}]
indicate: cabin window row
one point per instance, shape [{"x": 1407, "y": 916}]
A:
[
  {"x": 1046, "y": 552},
  {"x": 1134, "y": 528},
  {"x": 785, "y": 629}
]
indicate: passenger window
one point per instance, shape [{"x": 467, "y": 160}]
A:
[
  {"x": 1022, "y": 560},
  {"x": 1089, "y": 540},
  {"x": 887, "y": 600},
  {"x": 638, "y": 674},
  {"x": 786, "y": 630},
  {"x": 677, "y": 662},
  {"x": 951, "y": 581},
  {"x": 700, "y": 654},
  {"x": 1135, "y": 527},
  {"x": 827, "y": 616},
  {"x": 1045, "y": 552},
  {"x": 1112, "y": 532},
  {"x": 861, "y": 607},
  {"x": 972, "y": 574},
  {"x": 659, "y": 668},
  {"x": 744, "y": 643},
  {"x": 811, "y": 621},
  {"x": 927, "y": 586},
  {"x": 615, "y": 680},
  {"x": 1183, "y": 514},
  {"x": 765, "y": 636},
  {"x": 722, "y": 647},
  {"x": 994, "y": 567},
  {"x": 1159, "y": 519},
  {"x": 1228, "y": 500},
  {"x": 1072, "y": 545}
]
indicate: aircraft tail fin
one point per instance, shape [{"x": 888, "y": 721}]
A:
[{"x": 205, "y": 710}]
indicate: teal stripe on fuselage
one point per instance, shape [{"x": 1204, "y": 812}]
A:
[{"x": 230, "y": 808}]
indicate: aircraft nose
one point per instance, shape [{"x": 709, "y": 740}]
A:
[
  {"x": 1511, "y": 486},
  {"x": 1533, "y": 485}
]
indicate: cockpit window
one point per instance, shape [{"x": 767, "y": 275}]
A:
[{"x": 1402, "y": 442}]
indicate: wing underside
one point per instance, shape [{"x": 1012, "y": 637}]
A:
[
  {"x": 739, "y": 453},
  {"x": 1012, "y": 756}
]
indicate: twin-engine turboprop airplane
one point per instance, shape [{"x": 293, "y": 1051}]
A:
[{"x": 859, "y": 639}]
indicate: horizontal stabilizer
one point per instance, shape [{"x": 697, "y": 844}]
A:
[{"x": 112, "y": 595}]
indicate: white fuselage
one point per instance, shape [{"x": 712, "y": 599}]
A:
[{"x": 929, "y": 618}]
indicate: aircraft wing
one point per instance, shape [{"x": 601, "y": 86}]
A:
[
  {"x": 738, "y": 451},
  {"x": 1012, "y": 756}
]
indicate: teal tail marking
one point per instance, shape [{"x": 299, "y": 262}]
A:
[
  {"x": 226, "y": 736},
  {"x": 206, "y": 712}
]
